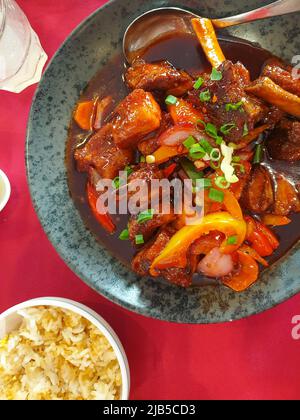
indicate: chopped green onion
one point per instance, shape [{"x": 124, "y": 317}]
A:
[
  {"x": 236, "y": 159},
  {"x": 198, "y": 83},
  {"x": 190, "y": 170},
  {"x": 219, "y": 140},
  {"x": 206, "y": 145},
  {"x": 216, "y": 195},
  {"x": 188, "y": 143},
  {"x": 232, "y": 145},
  {"x": 142, "y": 159},
  {"x": 205, "y": 96},
  {"x": 139, "y": 239},
  {"x": 171, "y": 100},
  {"x": 258, "y": 154},
  {"x": 215, "y": 155},
  {"x": 239, "y": 165},
  {"x": 222, "y": 183},
  {"x": 202, "y": 183},
  {"x": 124, "y": 235},
  {"x": 233, "y": 107},
  {"x": 116, "y": 183},
  {"x": 245, "y": 130},
  {"x": 232, "y": 240},
  {"x": 211, "y": 130},
  {"x": 226, "y": 128},
  {"x": 214, "y": 165},
  {"x": 207, "y": 182},
  {"x": 216, "y": 75},
  {"x": 146, "y": 215},
  {"x": 128, "y": 169},
  {"x": 196, "y": 151}
]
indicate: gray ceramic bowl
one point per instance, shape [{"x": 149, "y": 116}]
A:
[{"x": 84, "y": 52}]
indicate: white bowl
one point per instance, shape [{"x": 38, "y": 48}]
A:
[
  {"x": 5, "y": 190},
  {"x": 10, "y": 321}
]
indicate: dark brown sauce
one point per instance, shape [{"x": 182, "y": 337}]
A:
[{"x": 183, "y": 52}]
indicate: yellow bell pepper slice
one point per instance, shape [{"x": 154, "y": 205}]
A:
[{"x": 175, "y": 253}]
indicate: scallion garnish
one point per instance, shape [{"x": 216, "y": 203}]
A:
[
  {"x": 139, "y": 239},
  {"x": 124, "y": 235},
  {"x": 258, "y": 155},
  {"x": 211, "y": 130},
  {"x": 240, "y": 166},
  {"x": 216, "y": 75},
  {"x": 226, "y": 128},
  {"x": 207, "y": 182},
  {"x": 199, "y": 82},
  {"x": 190, "y": 170},
  {"x": 128, "y": 169},
  {"x": 205, "y": 96},
  {"x": 142, "y": 159},
  {"x": 233, "y": 107},
  {"x": 236, "y": 159},
  {"x": 196, "y": 151},
  {"x": 171, "y": 100},
  {"x": 214, "y": 165},
  {"x": 215, "y": 155},
  {"x": 116, "y": 183},
  {"x": 206, "y": 145},
  {"x": 232, "y": 240},
  {"x": 216, "y": 195},
  {"x": 245, "y": 130},
  {"x": 188, "y": 143},
  {"x": 219, "y": 140},
  {"x": 146, "y": 215},
  {"x": 222, "y": 183}
]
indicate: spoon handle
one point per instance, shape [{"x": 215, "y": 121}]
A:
[{"x": 278, "y": 8}]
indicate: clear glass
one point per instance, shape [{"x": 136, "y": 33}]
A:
[{"x": 21, "y": 55}]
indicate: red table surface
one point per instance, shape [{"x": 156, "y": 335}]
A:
[{"x": 255, "y": 358}]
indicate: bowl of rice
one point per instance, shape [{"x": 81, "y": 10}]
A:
[{"x": 58, "y": 349}]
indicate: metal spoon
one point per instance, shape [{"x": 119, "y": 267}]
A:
[{"x": 162, "y": 22}]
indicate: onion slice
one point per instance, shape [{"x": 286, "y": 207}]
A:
[{"x": 177, "y": 134}]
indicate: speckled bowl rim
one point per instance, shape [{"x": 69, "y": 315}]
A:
[{"x": 64, "y": 255}]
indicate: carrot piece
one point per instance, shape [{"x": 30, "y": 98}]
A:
[
  {"x": 206, "y": 34},
  {"x": 184, "y": 112},
  {"x": 103, "y": 219},
  {"x": 266, "y": 89},
  {"x": 254, "y": 254},
  {"x": 271, "y": 237},
  {"x": 84, "y": 114},
  {"x": 275, "y": 220},
  {"x": 246, "y": 276},
  {"x": 164, "y": 153}
]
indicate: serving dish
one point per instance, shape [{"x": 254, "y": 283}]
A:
[
  {"x": 47, "y": 130},
  {"x": 10, "y": 320}
]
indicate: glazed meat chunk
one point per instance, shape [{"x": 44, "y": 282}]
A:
[
  {"x": 281, "y": 74},
  {"x": 135, "y": 117},
  {"x": 228, "y": 103},
  {"x": 160, "y": 76},
  {"x": 149, "y": 227},
  {"x": 286, "y": 197},
  {"x": 101, "y": 153},
  {"x": 284, "y": 141},
  {"x": 258, "y": 193},
  {"x": 143, "y": 260}
]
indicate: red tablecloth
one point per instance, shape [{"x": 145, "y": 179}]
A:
[{"x": 249, "y": 359}]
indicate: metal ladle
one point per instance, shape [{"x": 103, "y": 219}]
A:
[{"x": 158, "y": 23}]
